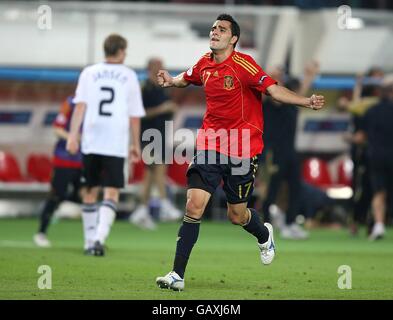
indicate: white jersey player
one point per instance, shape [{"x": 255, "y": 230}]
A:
[{"x": 108, "y": 102}]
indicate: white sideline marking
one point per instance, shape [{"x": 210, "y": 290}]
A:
[{"x": 16, "y": 244}]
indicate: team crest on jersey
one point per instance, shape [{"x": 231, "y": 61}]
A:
[{"x": 228, "y": 83}]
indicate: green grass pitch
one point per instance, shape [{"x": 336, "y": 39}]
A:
[{"x": 225, "y": 264}]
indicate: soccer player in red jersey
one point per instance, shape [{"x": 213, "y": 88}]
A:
[{"x": 229, "y": 142}]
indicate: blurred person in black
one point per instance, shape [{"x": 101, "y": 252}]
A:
[
  {"x": 159, "y": 109},
  {"x": 378, "y": 129},
  {"x": 281, "y": 157},
  {"x": 66, "y": 176},
  {"x": 365, "y": 95}
]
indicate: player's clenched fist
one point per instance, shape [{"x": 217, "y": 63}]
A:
[
  {"x": 317, "y": 102},
  {"x": 134, "y": 154},
  {"x": 164, "y": 79}
]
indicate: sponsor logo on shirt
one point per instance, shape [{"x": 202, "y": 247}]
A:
[{"x": 189, "y": 72}]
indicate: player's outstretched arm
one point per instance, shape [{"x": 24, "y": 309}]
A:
[
  {"x": 165, "y": 80},
  {"x": 284, "y": 95},
  {"x": 76, "y": 122}
]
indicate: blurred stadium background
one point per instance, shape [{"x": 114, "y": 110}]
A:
[{"x": 40, "y": 64}]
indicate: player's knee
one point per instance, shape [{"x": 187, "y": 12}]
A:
[
  {"x": 195, "y": 207},
  {"x": 90, "y": 196},
  {"x": 111, "y": 193},
  {"x": 235, "y": 216},
  {"x": 234, "y": 219}
]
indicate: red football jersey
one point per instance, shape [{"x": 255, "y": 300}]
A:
[{"x": 233, "y": 122}]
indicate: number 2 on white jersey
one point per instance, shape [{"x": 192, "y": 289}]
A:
[{"x": 106, "y": 101}]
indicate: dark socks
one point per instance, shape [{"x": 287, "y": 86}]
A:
[
  {"x": 256, "y": 227},
  {"x": 46, "y": 214},
  {"x": 187, "y": 236}
]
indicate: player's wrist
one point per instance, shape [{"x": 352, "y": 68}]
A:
[
  {"x": 179, "y": 81},
  {"x": 310, "y": 102},
  {"x": 73, "y": 137},
  {"x": 176, "y": 82},
  {"x": 135, "y": 146},
  {"x": 307, "y": 103}
]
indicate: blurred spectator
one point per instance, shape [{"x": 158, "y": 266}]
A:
[
  {"x": 343, "y": 101},
  {"x": 159, "y": 108},
  {"x": 281, "y": 158},
  {"x": 315, "y": 4},
  {"x": 364, "y": 96},
  {"x": 66, "y": 173},
  {"x": 302, "y": 4},
  {"x": 378, "y": 127},
  {"x": 379, "y": 4},
  {"x": 312, "y": 200}
]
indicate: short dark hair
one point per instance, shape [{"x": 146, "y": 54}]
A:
[
  {"x": 113, "y": 43},
  {"x": 235, "y": 29}
]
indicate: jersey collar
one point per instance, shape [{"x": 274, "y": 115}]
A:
[{"x": 223, "y": 62}]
